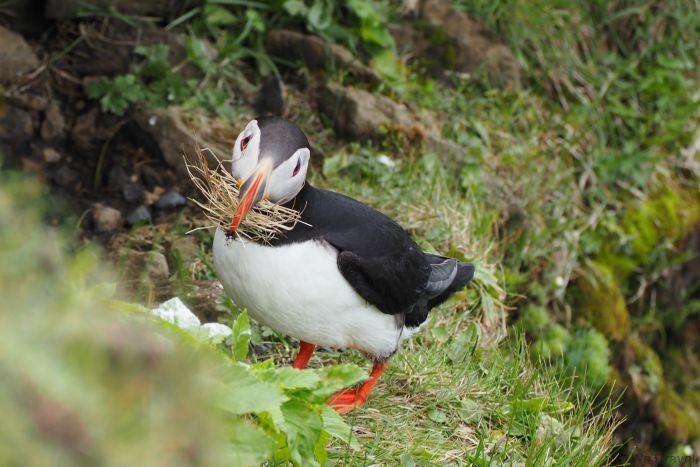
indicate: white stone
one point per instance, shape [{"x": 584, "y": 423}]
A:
[
  {"x": 217, "y": 331},
  {"x": 176, "y": 312},
  {"x": 386, "y": 160}
]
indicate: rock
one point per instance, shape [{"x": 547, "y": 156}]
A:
[
  {"x": 317, "y": 54},
  {"x": 27, "y": 101},
  {"x": 63, "y": 9},
  {"x": 151, "y": 177},
  {"x": 152, "y": 197},
  {"x": 65, "y": 177},
  {"x": 83, "y": 132},
  {"x": 171, "y": 200},
  {"x": 51, "y": 156},
  {"x": 156, "y": 266},
  {"x": 177, "y": 140},
  {"x": 185, "y": 249},
  {"x": 205, "y": 297},
  {"x": 443, "y": 38},
  {"x": 91, "y": 130},
  {"x": 17, "y": 58},
  {"x": 175, "y": 312},
  {"x": 133, "y": 192},
  {"x": 16, "y": 125},
  {"x": 130, "y": 190},
  {"x": 90, "y": 59},
  {"x": 357, "y": 113},
  {"x": 216, "y": 332},
  {"x": 144, "y": 270},
  {"x": 106, "y": 218},
  {"x": 475, "y": 45},
  {"x": 138, "y": 215},
  {"x": 54, "y": 125},
  {"x": 451, "y": 153}
]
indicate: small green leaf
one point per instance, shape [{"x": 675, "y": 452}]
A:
[
  {"x": 319, "y": 15},
  {"x": 440, "y": 333},
  {"x": 464, "y": 344},
  {"x": 334, "y": 424},
  {"x": 240, "y": 337},
  {"x": 339, "y": 377},
  {"x": 289, "y": 378},
  {"x": 243, "y": 393},
  {"x": 469, "y": 410},
  {"x": 197, "y": 54},
  {"x": 406, "y": 460},
  {"x": 438, "y": 416},
  {"x": 249, "y": 445},
  {"x": 295, "y": 7},
  {"x": 219, "y": 16},
  {"x": 303, "y": 427}
]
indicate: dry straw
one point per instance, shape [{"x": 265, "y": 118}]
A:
[{"x": 220, "y": 191}]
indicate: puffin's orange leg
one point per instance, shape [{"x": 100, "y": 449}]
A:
[
  {"x": 348, "y": 399},
  {"x": 306, "y": 350}
]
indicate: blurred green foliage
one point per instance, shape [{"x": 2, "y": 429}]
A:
[{"x": 91, "y": 380}]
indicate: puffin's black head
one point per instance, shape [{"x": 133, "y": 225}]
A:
[{"x": 270, "y": 158}]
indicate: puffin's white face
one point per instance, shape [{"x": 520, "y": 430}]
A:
[
  {"x": 270, "y": 160},
  {"x": 246, "y": 150}
]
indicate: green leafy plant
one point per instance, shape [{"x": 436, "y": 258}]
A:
[
  {"x": 153, "y": 82},
  {"x": 116, "y": 95}
]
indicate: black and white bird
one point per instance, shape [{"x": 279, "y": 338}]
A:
[{"x": 346, "y": 276}]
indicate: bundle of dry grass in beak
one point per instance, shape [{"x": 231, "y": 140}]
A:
[{"x": 220, "y": 191}]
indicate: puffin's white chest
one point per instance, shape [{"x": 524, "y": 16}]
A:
[{"x": 298, "y": 290}]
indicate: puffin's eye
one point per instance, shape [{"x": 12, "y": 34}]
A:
[
  {"x": 244, "y": 143},
  {"x": 296, "y": 168}
]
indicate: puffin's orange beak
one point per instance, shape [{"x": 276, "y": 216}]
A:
[{"x": 252, "y": 191}]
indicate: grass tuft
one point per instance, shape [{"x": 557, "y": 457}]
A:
[{"x": 220, "y": 191}]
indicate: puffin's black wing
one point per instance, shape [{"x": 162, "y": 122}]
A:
[
  {"x": 376, "y": 256},
  {"x": 393, "y": 282}
]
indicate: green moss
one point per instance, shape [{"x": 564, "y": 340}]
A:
[
  {"x": 677, "y": 414},
  {"x": 678, "y": 418},
  {"x": 601, "y": 303},
  {"x": 588, "y": 355},
  {"x": 533, "y": 319},
  {"x": 553, "y": 342},
  {"x": 667, "y": 216},
  {"x": 646, "y": 368}
]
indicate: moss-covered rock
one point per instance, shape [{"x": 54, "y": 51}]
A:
[
  {"x": 665, "y": 217},
  {"x": 677, "y": 414},
  {"x": 644, "y": 369},
  {"x": 678, "y": 418},
  {"x": 601, "y": 302}
]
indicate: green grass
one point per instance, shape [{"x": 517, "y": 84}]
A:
[{"x": 445, "y": 401}]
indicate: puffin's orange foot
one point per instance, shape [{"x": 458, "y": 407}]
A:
[
  {"x": 349, "y": 399},
  {"x": 346, "y": 400}
]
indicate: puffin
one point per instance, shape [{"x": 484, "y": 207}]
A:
[{"x": 345, "y": 276}]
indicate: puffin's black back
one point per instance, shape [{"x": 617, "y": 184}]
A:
[{"x": 377, "y": 257}]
